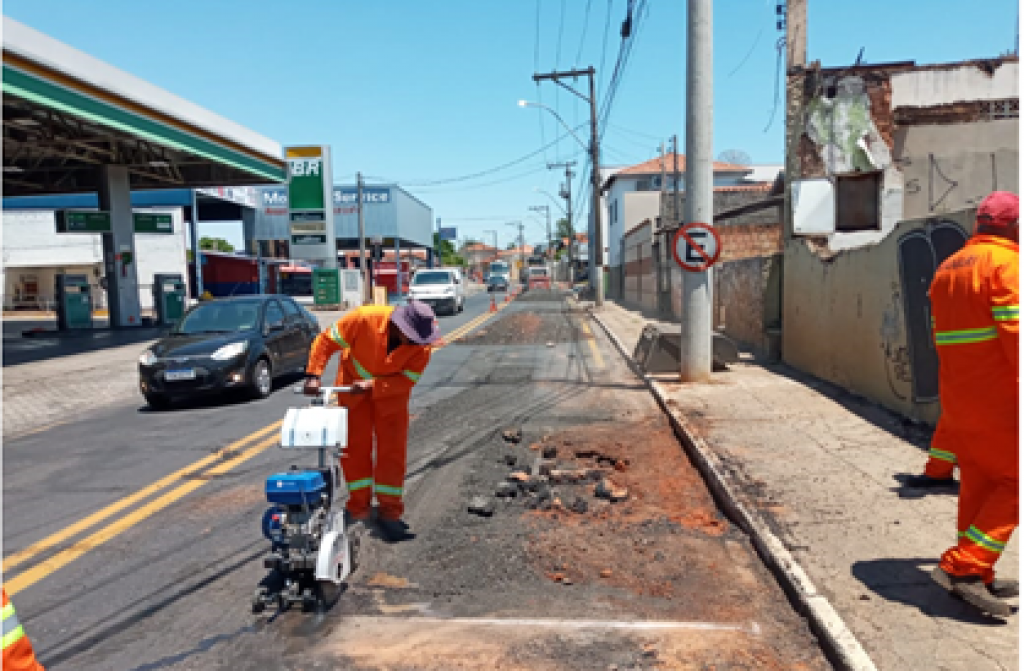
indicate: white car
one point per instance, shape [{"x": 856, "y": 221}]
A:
[{"x": 441, "y": 289}]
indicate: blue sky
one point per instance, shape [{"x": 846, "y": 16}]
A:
[{"x": 417, "y": 92}]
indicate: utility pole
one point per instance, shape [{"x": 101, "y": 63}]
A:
[
  {"x": 367, "y": 289},
  {"x": 567, "y": 194},
  {"x": 546, "y": 209},
  {"x": 695, "y": 350},
  {"x": 675, "y": 179},
  {"x": 596, "y": 242}
]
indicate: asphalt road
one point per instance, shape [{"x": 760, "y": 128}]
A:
[{"x": 118, "y": 559}]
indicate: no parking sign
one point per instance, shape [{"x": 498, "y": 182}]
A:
[{"x": 696, "y": 247}]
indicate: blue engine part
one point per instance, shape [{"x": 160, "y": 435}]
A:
[
  {"x": 271, "y": 525},
  {"x": 296, "y": 488}
]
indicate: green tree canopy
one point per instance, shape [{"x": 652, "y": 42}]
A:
[
  {"x": 216, "y": 245},
  {"x": 562, "y": 229}
]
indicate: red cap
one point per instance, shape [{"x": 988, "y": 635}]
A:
[{"x": 999, "y": 209}]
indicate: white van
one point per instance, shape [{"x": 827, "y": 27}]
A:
[{"x": 441, "y": 288}]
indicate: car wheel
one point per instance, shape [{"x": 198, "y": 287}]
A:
[
  {"x": 158, "y": 401},
  {"x": 261, "y": 382}
]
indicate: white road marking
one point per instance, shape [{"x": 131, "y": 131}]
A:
[{"x": 643, "y": 625}]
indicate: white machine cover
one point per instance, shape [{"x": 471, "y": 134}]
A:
[{"x": 315, "y": 427}]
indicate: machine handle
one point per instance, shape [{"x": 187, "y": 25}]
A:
[{"x": 325, "y": 393}]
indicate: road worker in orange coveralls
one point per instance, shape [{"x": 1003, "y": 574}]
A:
[
  {"x": 938, "y": 471},
  {"x": 384, "y": 351},
  {"x": 975, "y": 300},
  {"x": 18, "y": 654}
]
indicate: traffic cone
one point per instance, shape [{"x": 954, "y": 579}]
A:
[{"x": 494, "y": 308}]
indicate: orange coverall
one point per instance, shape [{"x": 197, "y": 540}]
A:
[
  {"x": 975, "y": 305},
  {"x": 362, "y": 338},
  {"x": 942, "y": 453},
  {"x": 18, "y": 654}
]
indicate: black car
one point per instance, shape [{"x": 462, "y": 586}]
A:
[
  {"x": 234, "y": 343},
  {"x": 497, "y": 283}
]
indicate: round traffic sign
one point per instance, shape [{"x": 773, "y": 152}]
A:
[{"x": 696, "y": 247}]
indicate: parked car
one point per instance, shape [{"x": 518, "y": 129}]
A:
[
  {"x": 441, "y": 289},
  {"x": 233, "y": 343},
  {"x": 497, "y": 283}
]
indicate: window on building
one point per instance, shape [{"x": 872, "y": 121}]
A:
[
  {"x": 1001, "y": 109},
  {"x": 858, "y": 202}
]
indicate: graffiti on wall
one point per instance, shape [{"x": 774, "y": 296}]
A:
[{"x": 911, "y": 358}]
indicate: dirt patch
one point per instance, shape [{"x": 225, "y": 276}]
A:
[
  {"x": 653, "y": 543},
  {"x": 650, "y": 463}
]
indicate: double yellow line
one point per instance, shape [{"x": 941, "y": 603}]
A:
[
  {"x": 187, "y": 480},
  {"x": 194, "y": 476}
]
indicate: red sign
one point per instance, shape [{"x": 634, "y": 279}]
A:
[{"x": 696, "y": 247}]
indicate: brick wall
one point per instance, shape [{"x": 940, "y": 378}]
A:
[{"x": 746, "y": 241}]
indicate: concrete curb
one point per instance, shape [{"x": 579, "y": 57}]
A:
[{"x": 835, "y": 638}]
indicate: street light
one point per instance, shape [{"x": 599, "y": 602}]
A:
[{"x": 527, "y": 103}]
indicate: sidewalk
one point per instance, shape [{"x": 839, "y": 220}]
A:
[{"x": 817, "y": 467}]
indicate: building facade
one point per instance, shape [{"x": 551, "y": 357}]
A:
[{"x": 885, "y": 167}]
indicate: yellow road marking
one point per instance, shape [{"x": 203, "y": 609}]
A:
[
  {"x": 95, "y": 518},
  {"x": 65, "y": 557},
  {"x": 466, "y": 328},
  {"x": 593, "y": 345}
]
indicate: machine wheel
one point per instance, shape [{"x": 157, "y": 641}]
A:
[
  {"x": 258, "y": 603},
  {"x": 462, "y": 305},
  {"x": 261, "y": 380},
  {"x": 158, "y": 401}
]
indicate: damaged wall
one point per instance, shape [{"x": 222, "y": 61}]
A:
[
  {"x": 862, "y": 320},
  {"x": 954, "y": 166}
]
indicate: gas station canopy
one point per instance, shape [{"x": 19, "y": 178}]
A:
[{"x": 66, "y": 114}]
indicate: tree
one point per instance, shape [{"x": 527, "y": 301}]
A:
[
  {"x": 446, "y": 252},
  {"x": 735, "y": 157},
  {"x": 216, "y": 245},
  {"x": 562, "y": 229},
  {"x": 510, "y": 245}
]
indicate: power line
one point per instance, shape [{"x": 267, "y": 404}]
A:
[
  {"x": 780, "y": 45},
  {"x": 607, "y": 26},
  {"x": 482, "y": 173},
  {"x": 536, "y": 66},
  {"x": 583, "y": 38},
  {"x": 745, "y": 58},
  {"x": 623, "y": 129}
]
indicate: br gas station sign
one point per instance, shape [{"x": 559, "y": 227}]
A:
[{"x": 310, "y": 204}]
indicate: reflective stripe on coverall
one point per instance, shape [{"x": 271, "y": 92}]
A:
[
  {"x": 941, "y": 454},
  {"x": 361, "y": 336},
  {"x": 975, "y": 303},
  {"x": 18, "y": 654}
]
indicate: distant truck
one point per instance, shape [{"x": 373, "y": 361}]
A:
[
  {"x": 502, "y": 269},
  {"x": 538, "y": 277}
]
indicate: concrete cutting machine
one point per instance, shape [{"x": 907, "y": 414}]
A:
[{"x": 305, "y": 523}]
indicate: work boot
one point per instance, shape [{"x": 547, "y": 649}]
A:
[
  {"x": 923, "y": 481},
  {"x": 1004, "y": 589},
  {"x": 973, "y": 590},
  {"x": 356, "y": 518},
  {"x": 393, "y": 530}
]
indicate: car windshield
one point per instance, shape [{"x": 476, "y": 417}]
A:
[
  {"x": 538, "y": 271},
  {"x": 227, "y": 317},
  {"x": 422, "y": 278}
]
